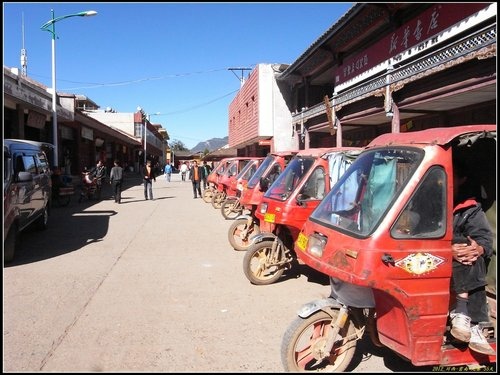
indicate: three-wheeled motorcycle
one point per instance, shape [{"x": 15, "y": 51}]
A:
[
  {"x": 383, "y": 234},
  {"x": 245, "y": 225},
  {"x": 213, "y": 179},
  {"x": 286, "y": 205},
  {"x": 231, "y": 171},
  {"x": 231, "y": 207}
]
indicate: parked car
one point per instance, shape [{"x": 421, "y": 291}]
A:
[{"x": 27, "y": 188}]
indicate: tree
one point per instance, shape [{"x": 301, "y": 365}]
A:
[{"x": 177, "y": 145}]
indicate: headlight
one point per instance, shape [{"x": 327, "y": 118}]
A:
[
  {"x": 263, "y": 208},
  {"x": 316, "y": 245}
]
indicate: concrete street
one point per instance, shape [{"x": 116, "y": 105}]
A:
[{"x": 149, "y": 286}]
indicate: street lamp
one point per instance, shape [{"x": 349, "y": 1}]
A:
[{"x": 50, "y": 27}]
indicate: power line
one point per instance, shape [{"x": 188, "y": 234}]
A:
[
  {"x": 242, "y": 79},
  {"x": 90, "y": 85}
]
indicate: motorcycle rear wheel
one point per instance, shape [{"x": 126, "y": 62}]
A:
[
  {"x": 231, "y": 208},
  {"x": 304, "y": 339},
  {"x": 234, "y": 234},
  {"x": 257, "y": 267}
]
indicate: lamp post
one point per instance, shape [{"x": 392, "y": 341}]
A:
[{"x": 50, "y": 27}]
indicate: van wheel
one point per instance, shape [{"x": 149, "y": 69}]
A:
[
  {"x": 9, "y": 246},
  {"x": 43, "y": 221}
]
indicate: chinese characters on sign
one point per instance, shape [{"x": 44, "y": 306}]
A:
[{"x": 418, "y": 34}]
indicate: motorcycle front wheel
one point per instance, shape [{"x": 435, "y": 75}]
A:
[
  {"x": 235, "y": 235},
  {"x": 217, "y": 199},
  {"x": 231, "y": 208},
  {"x": 259, "y": 263},
  {"x": 208, "y": 194},
  {"x": 304, "y": 342}
]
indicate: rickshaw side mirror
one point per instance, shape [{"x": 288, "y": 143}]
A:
[{"x": 301, "y": 198}]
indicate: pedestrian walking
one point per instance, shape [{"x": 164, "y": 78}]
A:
[
  {"x": 149, "y": 177},
  {"x": 116, "y": 180},
  {"x": 99, "y": 173},
  {"x": 206, "y": 171},
  {"x": 168, "y": 171},
  {"x": 184, "y": 169},
  {"x": 195, "y": 175}
]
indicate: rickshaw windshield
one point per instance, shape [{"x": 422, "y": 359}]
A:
[
  {"x": 220, "y": 169},
  {"x": 358, "y": 201},
  {"x": 286, "y": 182},
  {"x": 248, "y": 170},
  {"x": 254, "y": 180}
]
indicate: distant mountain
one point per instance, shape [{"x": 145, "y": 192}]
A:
[{"x": 211, "y": 144}]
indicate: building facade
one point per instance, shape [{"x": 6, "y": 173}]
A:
[
  {"x": 83, "y": 135},
  {"x": 259, "y": 113},
  {"x": 382, "y": 67}
]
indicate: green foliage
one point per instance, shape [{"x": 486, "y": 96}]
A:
[{"x": 177, "y": 145}]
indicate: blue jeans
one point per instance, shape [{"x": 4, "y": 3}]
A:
[
  {"x": 196, "y": 188},
  {"x": 148, "y": 187}
]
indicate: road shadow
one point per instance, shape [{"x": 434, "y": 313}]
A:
[
  {"x": 396, "y": 363},
  {"x": 70, "y": 229},
  {"x": 312, "y": 275}
]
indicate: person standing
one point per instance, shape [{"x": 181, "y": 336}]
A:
[
  {"x": 116, "y": 180},
  {"x": 149, "y": 177},
  {"x": 184, "y": 169},
  {"x": 168, "y": 171},
  {"x": 99, "y": 173},
  {"x": 195, "y": 175},
  {"x": 206, "y": 171}
]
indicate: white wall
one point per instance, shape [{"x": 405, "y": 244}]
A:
[{"x": 274, "y": 117}]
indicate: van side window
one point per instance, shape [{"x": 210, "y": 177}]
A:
[
  {"x": 29, "y": 164},
  {"x": 424, "y": 216},
  {"x": 19, "y": 164},
  {"x": 42, "y": 164}
]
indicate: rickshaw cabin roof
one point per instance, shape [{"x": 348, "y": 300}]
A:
[
  {"x": 439, "y": 136},
  {"x": 322, "y": 151}
]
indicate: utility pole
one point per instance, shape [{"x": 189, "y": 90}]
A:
[
  {"x": 24, "y": 56},
  {"x": 242, "y": 79}
]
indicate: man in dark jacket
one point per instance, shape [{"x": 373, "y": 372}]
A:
[
  {"x": 196, "y": 175},
  {"x": 206, "y": 172},
  {"x": 472, "y": 247}
]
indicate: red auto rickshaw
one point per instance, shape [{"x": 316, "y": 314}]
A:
[
  {"x": 232, "y": 170},
  {"x": 214, "y": 177},
  {"x": 230, "y": 207},
  {"x": 383, "y": 234},
  {"x": 286, "y": 205},
  {"x": 246, "y": 226}
]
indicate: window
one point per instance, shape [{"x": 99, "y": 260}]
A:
[
  {"x": 424, "y": 215},
  {"x": 29, "y": 164},
  {"x": 314, "y": 188}
]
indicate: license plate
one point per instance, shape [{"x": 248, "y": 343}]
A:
[
  {"x": 302, "y": 242},
  {"x": 269, "y": 218}
]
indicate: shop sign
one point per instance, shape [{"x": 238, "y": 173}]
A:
[
  {"x": 87, "y": 133},
  {"x": 67, "y": 133},
  {"x": 419, "y": 34},
  {"x": 36, "y": 119}
]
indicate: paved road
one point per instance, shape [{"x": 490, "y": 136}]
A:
[{"x": 150, "y": 286}]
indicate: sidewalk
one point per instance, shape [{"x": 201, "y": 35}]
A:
[{"x": 149, "y": 286}]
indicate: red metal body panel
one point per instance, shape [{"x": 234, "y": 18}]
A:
[{"x": 412, "y": 308}]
